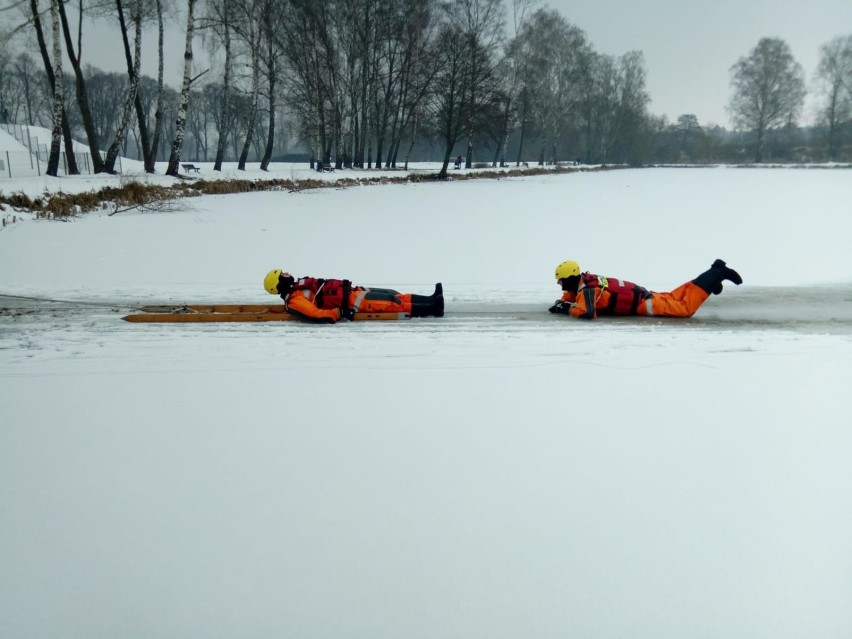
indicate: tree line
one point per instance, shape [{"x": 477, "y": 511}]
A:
[{"x": 363, "y": 83}]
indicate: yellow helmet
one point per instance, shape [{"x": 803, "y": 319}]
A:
[
  {"x": 567, "y": 269},
  {"x": 270, "y": 282}
]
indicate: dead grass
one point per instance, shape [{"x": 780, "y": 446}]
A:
[{"x": 134, "y": 194}]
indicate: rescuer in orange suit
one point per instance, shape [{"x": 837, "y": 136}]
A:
[
  {"x": 586, "y": 295},
  {"x": 326, "y": 301}
]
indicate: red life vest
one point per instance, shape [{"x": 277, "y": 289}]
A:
[
  {"x": 326, "y": 294},
  {"x": 624, "y": 297}
]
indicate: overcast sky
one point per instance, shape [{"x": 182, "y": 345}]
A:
[{"x": 689, "y": 45}]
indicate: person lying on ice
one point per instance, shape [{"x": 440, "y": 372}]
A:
[
  {"x": 326, "y": 301},
  {"x": 587, "y": 295}
]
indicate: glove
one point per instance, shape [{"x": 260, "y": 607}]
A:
[
  {"x": 560, "y": 307},
  {"x": 347, "y": 313}
]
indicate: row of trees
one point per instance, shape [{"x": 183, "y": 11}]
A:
[{"x": 364, "y": 82}]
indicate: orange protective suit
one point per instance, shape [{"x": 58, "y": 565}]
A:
[
  {"x": 592, "y": 300},
  {"x": 327, "y": 301},
  {"x": 360, "y": 300}
]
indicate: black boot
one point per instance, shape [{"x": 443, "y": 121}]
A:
[
  {"x": 728, "y": 273},
  {"x": 426, "y": 305},
  {"x": 711, "y": 281}
]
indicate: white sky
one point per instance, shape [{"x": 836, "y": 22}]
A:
[{"x": 690, "y": 45}]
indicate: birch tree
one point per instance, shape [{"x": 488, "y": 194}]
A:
[
  {"x": 58, "y": 92},
  {"x": 70, "y": 158},
  {"x": 180, "y": 123},
  {"x": 131, "y": 99}
]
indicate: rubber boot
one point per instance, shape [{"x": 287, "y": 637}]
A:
[
  {"x": 711, "y": 280},
  {"x": 728, "y": 273},
  {"x": 427, "y": 305}
]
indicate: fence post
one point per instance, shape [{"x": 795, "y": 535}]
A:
[
  {"x": 29, "y": 146},
  {"x": 8, "y": 164},
  {"x": 38, "y": 161}
]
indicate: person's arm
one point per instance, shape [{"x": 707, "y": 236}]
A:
[
  {"x": 308, "y": 311},
  {"x": 563, "y": 305},
  {"x": 585, "y": 306}
]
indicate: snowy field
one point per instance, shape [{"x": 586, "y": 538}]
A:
[{"x": 496, "y": 473}]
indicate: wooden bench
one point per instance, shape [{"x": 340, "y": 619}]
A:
[
  {"x": 324, "y": 168},
  {"x": 190, "y": 167}
]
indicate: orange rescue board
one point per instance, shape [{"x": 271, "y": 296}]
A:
[
  {"x": 267, "y": 315},
  {"x": 214, "y": 308}
]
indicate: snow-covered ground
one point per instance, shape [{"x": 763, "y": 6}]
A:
[{"x": 499, "y": 472}]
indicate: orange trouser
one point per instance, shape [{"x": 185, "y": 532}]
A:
[
  {"x": 681, "y": 302},
  {"x": 379, "y": 300}
]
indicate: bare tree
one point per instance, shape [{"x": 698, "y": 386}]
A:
[
  {"x": 220, "y": 18},
  {"x": 106, "y": 92},
  {"x": 15, "y": 94},
  {"x": 482, "y": 25},
  {"x": 769, "y": 90},
  {"x": 688, "y": 136},
  {"x": 553, "y": 54},
  {"x": 144, "y": 143},
  {"x": 630, "y": 109},
  {"x": 447, "y": 106},
  {"x": 130, "y": 100},
  {"x": 180, "y": 124},
  {"x": 75, "y": 56},
  {"x": 70, "y": 158},
  {"x": 158, "y": 112},
  {"x": 310, "y": 55},
  {"x": 58, "y": 93},
  {"x": 417, "y": 72},
  {"x": 511, "y": 72},
  {"x": 247, "y": 26},
  {"x": 35, "y": 91},
  {"x": 270, "y": 55},
  {"x": 834, "y": 78}
]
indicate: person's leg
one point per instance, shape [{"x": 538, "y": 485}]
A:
[
  {"x": 379, "y": 300},
  {"x": 384, "y": 300},
  {"x": 688, "y": 297},
  {"x": 681, "y": 302}
]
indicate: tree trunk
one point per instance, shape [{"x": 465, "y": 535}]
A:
[
  {"x": 271, "y": 70},
  {"x": 70, "y": 158},
  {"x": 758, "y": 152},
  {"x": 158, "y": 113},
  {"x": 411, "y": 142},
  {"x": 82, "y": 98},
  {"x": 143, "y": 142},
  {"x": 226, "y": 91},
  {"x": 58, "y": 94},
  {"x": 524, "y": 103},
  {"x": 255, "y": 91},
  {"x": 180, "y": 123},
  {"x": 112, "y": 153},
  {"x": 500, "y": 155}
]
